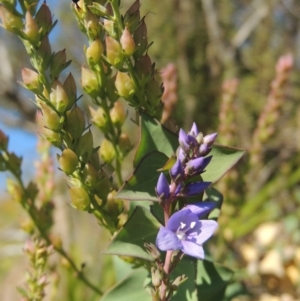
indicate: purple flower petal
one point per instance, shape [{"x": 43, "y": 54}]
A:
[
  {"x": 195, "y": 188},
  {"x": 198, "y": 164},
  {"x": 192, "y": 249},
  {"x": 208, "y": 228},
  {"x": 204, "y": 149},
  {"x": 210, "y": 139},
  {"x": 201, "y": 208},
  {"x": 183, "y": 140},
  {"x": 167, "y": 240},
  {"x": 181, "y": 218},
  {"x": 194, "y": 130},
  {"x": 181, "y": 155},
  {"x": 162, "y": 187},
  {"x": 191, "y": 141},
  {"x": 176, "y": 170}
]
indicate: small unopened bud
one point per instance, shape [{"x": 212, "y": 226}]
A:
[
  {"x": 94, "y": 52},
  {"x": 141, "y": 40},
  {"x": 114, "y": 52},
  {"x": 143, "y": 65},
  {"x": 99, "y": 118},
  {"x": 194, "y": 130},
  {"x": 107, "y": 151},
  {"x": 53, "y": 137},
  {"x": 58, "y": 63},
  {"x": 210, "y": 139},
  {"x": 113, "y": 206},
  {"x": 51, "y": 119},
  {"x": 127, "y": 42},
  {"x": 68, "y": 161},
  {"x": 75, "y": 123},
  {"x": 31, "y": 29},
  {"x": 152, "y": 250},
  {"x": 177, "y": 171},
  {"x": 117, "y": 114},
  {"x": 92, "y": 25},
  {"x": 179, "y": 280},
  {"x": 79, "y": 197},
  {"x": 43, "y": 19},
  {"x": 70, "y": 88},
  {"x": 89, "y": 82},
  {"x": 124, "y": 85},
  {"x": 197, "y": 165},
  {"x": 109, "y": 27},
  {"x": 44, "y": 53},
  {"x": 85, "y": 146},
  {"x": 124, "y": 144},
  {"x": 90, "y": 175},
  {"x": 10, "y": 21},
  {"x": 59, "y": 97},
  {"x": 15, "y": 190},
  {"x": 194, "y": 188},
  {"x": 103, "y": 186},
  {"x": 31, "y": 80},
  {"x": 162, "y": 187},
  {"x": 3, "y": 141},
  {"x": 153, "y": 92}
]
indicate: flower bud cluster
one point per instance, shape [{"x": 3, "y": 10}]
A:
[
  {"x": 36, "y": 279},
  {"x": 191, "y": 161}
]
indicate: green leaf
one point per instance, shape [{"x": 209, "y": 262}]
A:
[
  {"x": 212, "y": 280},
  {"x": 141, "y": 227},
  {"x": 131, "y": 288},
  {"x": 223, "y": 159},
  {"x": 154, "y": 137},
  {"x": 141, "y": 185}
]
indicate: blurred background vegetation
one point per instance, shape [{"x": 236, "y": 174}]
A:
[{"x": 237, "y": 72}]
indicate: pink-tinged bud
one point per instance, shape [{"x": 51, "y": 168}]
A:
[
  {"x": 89, "y": 82},
  {"x": 80, "y": 198},
  {"x": 124, "y": 144},
  {"x": 70, "y": 88},
  {"x": 51, "y": 119},
  {"x": 109, "y": 26},
  {"x": 94, "y": 52},
  {"x": 68, "y": 161},
  {"x": 92, "y": 25},
  {"x": 75, "y": 124},
  {"x": 31, "y": 80},
  {"x": 85, "y": 146},
  {"x": 132, "y": 16},
  {"x": 31, "y": 29},
  {"x": 58, "y": 63},
  {"x": 124, "y": 85},
  {"x": 15, "y": 190},
  {"x": 10, "y": 21},
  {"x": 53, "y": 137},
  {"x": 144, "y": 65},
  {"x": 154, "y": 92},
  {"x": 3, "y": 141},
  {"x": 99, "y": 118},
  {"x": 107, "y": 151},
  {"x": 141, "y": 40},
  {"x": 43, "y": 19},
  {"x": 114, "y": 52},
  {"x": 127, "y": 42},
  {"x": 117, "y": 114},
  {"x": 90, "y": 175},
  {"x": 59, "y": 97}
]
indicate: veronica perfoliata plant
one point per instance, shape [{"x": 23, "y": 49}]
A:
[{"x": 173, "y": 209}]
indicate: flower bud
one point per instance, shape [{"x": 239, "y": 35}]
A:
[
  {"x": 179, "y": 280},
  {"x": 59, "y": 97},
  {"x": 107, "y": 151},
  {"x": 68, "y": 161},
  {"x": 124, "y": 144},
  {"x": 162, "y": 187},
  {"x": 194, "y": 130},
  {"x": 141, "y": 40},
  {"x": 99, "y": 118},
  {"x": 103, "y": 186},
  {"x": 156, "y": 277},
  {"x": 124, "y": 85},
  {"x": 109, "y": 26},
  {"x": 177, "y": 172},
  {"x": 89, "y": 82},
  {"x": 90, "y": 175},
  {"x": 92, "y": 25},
  {"x": 15, "y": 190},
  {"x": 197, "y": 165},
  {"x": 70, "y": 88},
  {"x": 94, "y": 52},
  {"x": 153, "y": 92},
  {"x": 31, "y": 29},
  {"x": 113, "y": 206},
  {"x": 44, "y": 53},
  {"x": 58, "y": 63},
  {"x": 210, "y": 139},
  {"x": 114, "y": 52},
  {"x": 10, "y": 21},
  {"x": 43, "y": 19},
  {"x": 85, "y": 146},
  {"x": 132, "y": 16},
  {"x": 31, "y": 80},
  {"x": 144, "y": 66},
  {"x": 127, "y": 42},
  {"x": 182, "y": 141},
  {"x": 194, "y": 188},
  {"x": 53, "y": 137},
  {"x": 117, "y": 114},
  {"x": 75, "y": 123},
  {"x": 152, "y": 250},
  {"x": 51, "y": 119},
  {"x": 80, "y": 198},
  {"x": 3, "y": 141}
]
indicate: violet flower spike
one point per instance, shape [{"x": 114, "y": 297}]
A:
[
  {"x": 162, "y": 187},
  {"x": 184, "y": 231}
]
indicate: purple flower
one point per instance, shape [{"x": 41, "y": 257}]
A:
[
  {"x": 197, "y": 165},
  {"x": 184, "y": 231},
  {"x": 195, "y": 188},
  {"x": 204, "y": 149},
  {"x": 176, "y": 171},
  {"x": 162, "y": 187},
  {"x": 186, "y": 141}
]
